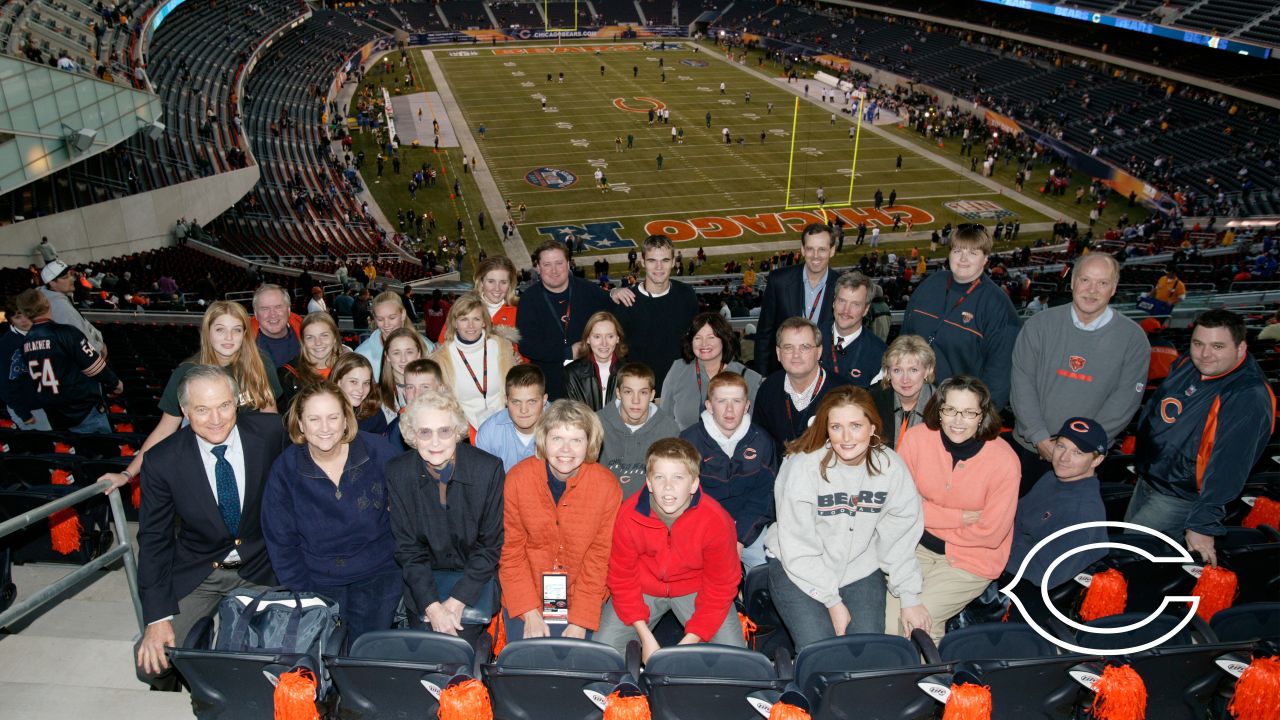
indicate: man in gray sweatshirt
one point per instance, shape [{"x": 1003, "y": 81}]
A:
[
  {"x": 1078, "y": 360},
  {"x": 631, "y": 424}
]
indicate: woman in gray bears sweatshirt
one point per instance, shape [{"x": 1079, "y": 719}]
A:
[{"x": 849, "y": 519}]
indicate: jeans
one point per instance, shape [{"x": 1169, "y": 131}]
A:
[
  {"x": 753, "y": 554},
  {"x": 95, "y": 422},
  {"x": 808, "y": 620},
  {"x": 42, "y": 420},
  {"x": 1160, "y": 512},
  {"x": 515, "y": 627},
  {"x": 366, "y": 605}
]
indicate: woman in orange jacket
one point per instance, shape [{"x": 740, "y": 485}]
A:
[{"x": 559, "y": 507}]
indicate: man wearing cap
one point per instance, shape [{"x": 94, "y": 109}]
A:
[
  {"x": 59, "y": 283},
  {"x": 1067, "y": 495},
  {"x": 1078, "y": 360}
]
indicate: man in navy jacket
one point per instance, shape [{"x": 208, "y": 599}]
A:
[{"x": 852, "y": 351}]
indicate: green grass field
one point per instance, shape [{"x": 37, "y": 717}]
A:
[{"x": 707, "y": 192}]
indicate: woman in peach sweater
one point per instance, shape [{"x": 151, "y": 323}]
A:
[
  {"x": 559, "y": 508},
  {"x": 967, "y": 477}
]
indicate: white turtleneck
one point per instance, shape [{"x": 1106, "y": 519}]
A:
[
  {"x": 727, "y": 443},
  {"x": 475, "y": 406},
  {"x": 493, "y": 309}
]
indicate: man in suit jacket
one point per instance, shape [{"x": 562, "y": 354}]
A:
[
  {"x": 199, "y": 534},
  {"x": 798, "y": 291}
]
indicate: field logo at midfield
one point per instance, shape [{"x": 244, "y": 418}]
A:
[
  {"x": 551, "y": 178},
  {"x": 978, "y": 210},
  {"x": 594, "y": 236},
  {"x": 694, "y": 63},
  {"x": 651, "y": 104}
]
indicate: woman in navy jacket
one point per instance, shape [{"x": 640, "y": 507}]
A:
[{"x": 325, "y": 511}]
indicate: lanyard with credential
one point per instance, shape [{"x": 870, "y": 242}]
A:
[
  {"x": 568, "y": 310},
  {"x": 946, "y": 312},
  {"x": 822, "y": 377},
  {"x": 816, "y": 300}
]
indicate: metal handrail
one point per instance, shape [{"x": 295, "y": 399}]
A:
[{"x": 123, "y": 550}]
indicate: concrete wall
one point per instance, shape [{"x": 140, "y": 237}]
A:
[{"x": 130, "y": 224}]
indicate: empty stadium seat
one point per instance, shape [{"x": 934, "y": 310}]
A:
[
  {"x": 555, "y": 678},
  {"x": 867, "y": 676},
  {"x": 690, "y": 682},
  {"x": 387, "y": 673},
  {"x": 1026, "y": 673}
]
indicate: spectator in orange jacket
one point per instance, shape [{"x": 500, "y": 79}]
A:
[{"x": 558, "y": 512}]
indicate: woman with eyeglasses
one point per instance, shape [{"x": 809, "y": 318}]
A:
[
  {"x": 446, "y": 517},
  {"x": 967, "y": 477}
]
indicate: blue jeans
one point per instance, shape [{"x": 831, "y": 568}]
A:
[
  {"x": 95, "y": 422},
  {"x": 1160, "y": 512},
  {"x": 515, "y": 627},
  {"x": 808, "y": 620},
  {"x": 42, "y": 420},
  {"x": 369, "y": 604}
]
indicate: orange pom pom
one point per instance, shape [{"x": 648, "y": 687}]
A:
[
  {"x": 1106, "y": 595},
  {"x": 631, "y": 707},
  {"x": 1265, "y": 511},
  {"x": 62, "y": 448},
  {"x": 1129, "y": 445},
  {"x": 136, "y": 495},
  {"x": 295, "y": 696},
  {"x": 60, "y": 477},
  {"x": 1216, "y": 589},
  {"x": 968, "y": 702},
  {"x": 468, "y": 700},
  {"x": 498, "y": 632},
  {"x": 748, "y": 630},
  {"x": 1258, "y": 691},
  {"x": 1120, "y": 694},
  {"x": 787, "y": 711},
  {"x": 65, "y": 531}
]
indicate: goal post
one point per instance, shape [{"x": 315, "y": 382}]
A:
[
  {"x": 550, "y": 26},
  {"x": 860, "y": 98}
]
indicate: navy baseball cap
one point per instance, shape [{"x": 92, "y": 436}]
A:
[{"x": 1087, "y": 434}]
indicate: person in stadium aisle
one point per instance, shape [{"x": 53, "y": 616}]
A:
[
  {"x": 19, "y": 392},
  {"x": 317, "y": 302},
  {"x": 592, "y": 377},
  {"x": 554, "y": 312},
  {"x": 1169, "y": 289},
  {"x": 354, "y": 377},
  {"x": 631, "y": 424},
  {"x": 321, "y": 347},
  {"x": 659, "y": 310},
  {"x": 708, "y": 348},
  {"x": 223, "y": 343},
  {"x": 223, "y": 456},
  {"x": 59, "y": 284},
  {"x": 434, "y": 313},
  {"x": 673, "y": 551},
  {"x": 325, "y": 515},
  {"x": 848, "y": 518},
  {"x": 420, "y": 376},
  {"x": 965, "y": 317},
  {"x": 275, "y": 328},
  {"x": 789, "y": 397},
  {"x": 403, "y": 347},
  {"x": 559, "y": 508},
  {"x": 509, "y": 434},
  {"x": 1077, "y": 360},
  {"x": 1200, "y": 434},
  {"x": 905, "y": 386},
  {"x": 850, "y": 352},
  {"x": 446, "y": 518},
  {"x": 738, "y": 464},
  {"x": 1066, "y": 495},
  {"x": 389, "y": 316},
  {"x": 804, "y": 290},
  {"x": 967, "y": 477},
  {"x": 68, "y": 375},
  {"x": 474, "y": 359}
]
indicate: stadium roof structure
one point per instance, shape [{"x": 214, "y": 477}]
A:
[{"x": 50, "y": 118}]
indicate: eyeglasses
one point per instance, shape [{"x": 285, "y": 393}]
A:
[
  {"x": 445, "y": 434},
  {"x": 950, "y": 412},
  {"x": 793, "y": 349}
]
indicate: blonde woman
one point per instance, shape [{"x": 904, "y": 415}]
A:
[
  {"x": 321, "y": 346},
  {"x": 403, "y": 346},
  {"x": 224, "y": 334},
  {"x": 474, "y": 359},
  {"x": 495, "y": 283},
  {"x": 907, "y": 368},
  {"x": 592, "y": 378}
]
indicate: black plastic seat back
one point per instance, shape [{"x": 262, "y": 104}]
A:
[
  {"x": 688, "y": 682},
  {"x": 1149, "y": 583},
  {"x": 232, "y": 686},
  {"x": 1248, "y": 623},
  {"x": 552, "y": 678},
  {"x": 397, "y": 673},
  {"x": 862, "y": 676},
  {"x": 995, "y": 641},
  {"x": 1257, "y": 569},
  {"x": 1025, "y": 672},
  {"x": 771, "y": 634},
  {"x": 1157, "y": 627}
]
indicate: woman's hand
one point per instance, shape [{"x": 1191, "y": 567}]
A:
[
  {"x": 442, "y": 621},
  {"x": 535, "y": 626},
  {"x": 916, "y": 617},
  {"x": 574, "y": 631},
  {"x": 969, "y": 517},
  {"x": 840, "y": 618}
]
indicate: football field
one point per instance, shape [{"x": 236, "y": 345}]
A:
[{"x": 545, "y": 138}]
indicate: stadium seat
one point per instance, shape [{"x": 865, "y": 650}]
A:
[
  {"x": 386, "y": 674},
  {"x": 233, "y": 686},
  {"x": 1257, "y": 569},
  {"x": 771, "y": 636},
  {"x": 867, "y": 675},
  {"x": 556, "y": 678},
  {"x": 689, "y": 682},
  {"x": 1026, "y": 673},
  {"x": 1247, "y": 623}
]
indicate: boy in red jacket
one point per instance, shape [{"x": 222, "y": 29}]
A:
[{"x": 674, "y": 549}]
